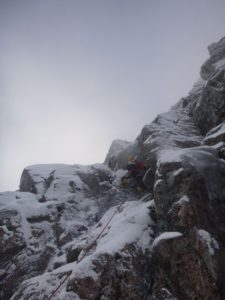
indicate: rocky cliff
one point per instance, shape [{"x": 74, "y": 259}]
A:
[{"x": 72, "y": 233}]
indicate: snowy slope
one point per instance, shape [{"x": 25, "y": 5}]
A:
[
  {"x": 130, "y": 226},
  {"x": 56, "y": 215}
]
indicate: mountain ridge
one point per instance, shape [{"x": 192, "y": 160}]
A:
[{"x": 166, "y": 244}]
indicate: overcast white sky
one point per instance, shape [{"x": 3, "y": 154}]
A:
[{"x": 76, "y": 74}]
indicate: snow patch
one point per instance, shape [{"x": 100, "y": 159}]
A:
[
  {"x": 157, "y": 183},
  {"x": 184, "y": 199},
  {"x": 208, "y": 240},
  {"x": 178, "y": 172},
  {"x": 166, "y": 236},
  {"x": 169, "y": 156},
  {"x": 130, "y": 225},
  {"x": 118, "y": 175},
  {"x": 218, "y": 130}
]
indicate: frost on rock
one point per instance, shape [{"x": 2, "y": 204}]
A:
[
  {"x": 215, "y": 61},
  {"x": 168, "y": 133},
  {"x": 128, "y": 232},
  {"x": 64, "y": 211},
  {"x": 215, "y": 135},
  {"x": 209, "y": 106},
  {"x": 210, "y": 241},
  {"x": 220, "y": 64}
]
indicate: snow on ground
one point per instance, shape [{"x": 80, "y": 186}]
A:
[
  {"x": 130, "y": 225},
  {"x": 70, "y": 203},
  {"x": 27, "y": 206}
]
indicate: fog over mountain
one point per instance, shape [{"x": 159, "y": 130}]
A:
[
  {"x": 75, "y": 232},
  {"x": 77, "y": 74}
]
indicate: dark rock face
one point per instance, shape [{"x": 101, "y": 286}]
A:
[
  {"x": 182, "y": 271},
  {"x": 26, "y": 183},
  {"x": 190, "y": 198},
  {"x": 122, "y": 276},
  {"x": 149, "y": 179}
]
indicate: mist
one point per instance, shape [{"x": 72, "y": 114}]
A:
[{"x": 77, "y": 74}]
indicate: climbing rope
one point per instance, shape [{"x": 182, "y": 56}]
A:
[
  {"x": 85, "y": 250},
  {"x": 94, "y": 243},
  {"x": 59, "y": 286}
]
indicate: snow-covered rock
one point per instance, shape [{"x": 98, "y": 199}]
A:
[
  {"x": 120, "y": 250},
  {"x": 215, "y": 135},
  {"x": 45, "y": 226},
  {"x": 168, "y": 132},
  {"x": 76, "y": 223},
  {"x": 210, "y": 242},
  {"x": 166, "y": 236},
  {"x": 215, "y": 61},
  {"x": 208, "y": 103}
]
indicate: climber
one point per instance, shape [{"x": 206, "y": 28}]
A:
[{"x": 135, "y": 170}]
